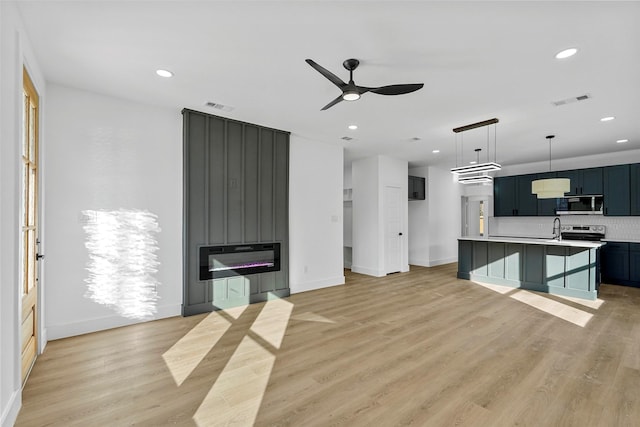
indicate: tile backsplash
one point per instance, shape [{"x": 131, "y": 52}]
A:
[{"x": 623, "y": 228}]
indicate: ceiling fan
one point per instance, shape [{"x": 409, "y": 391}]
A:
[{"x": 351, "y": 92}]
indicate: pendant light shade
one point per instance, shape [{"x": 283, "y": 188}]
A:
[{"x": 550, "y": 188}]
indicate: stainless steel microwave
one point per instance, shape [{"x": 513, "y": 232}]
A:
[{"x": 580, "y": 205}]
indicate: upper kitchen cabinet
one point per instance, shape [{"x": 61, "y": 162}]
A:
[
  {"x": 617, "y": 190},
  {"x": 635, "y": 188},
  {"x": 416, "y": 188},
  {"x": 512, "y": 196},
  {"x": 584, "y": 181}
]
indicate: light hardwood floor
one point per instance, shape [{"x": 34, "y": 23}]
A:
[{"x": 419, "y": 348}]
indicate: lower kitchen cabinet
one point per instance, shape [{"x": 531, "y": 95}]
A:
[
  {"x": 555, "y": 269},
  {"x": 621, "y": 263}
]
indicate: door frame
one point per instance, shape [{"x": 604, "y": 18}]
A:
[{"x": 40, "y": 334}]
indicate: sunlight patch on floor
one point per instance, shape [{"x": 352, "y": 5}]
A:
[
  {"x": 312, "y": 317},
  {"x": 496, "y": 288},
  {"x": 186, "y": 354},
  {"x": 595, "y": 304},
  {"x": 555, "y": 308},
  {"x": 242, "y": 383}
]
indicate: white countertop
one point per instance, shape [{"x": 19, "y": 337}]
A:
[
  {"x": 537, "y": 241},
  {"x": 624, "y": 240}
]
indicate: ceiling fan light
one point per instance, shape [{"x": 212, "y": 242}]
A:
[
  {"x": 550, "y": 188},
  {"x": 350, "y": 96}
]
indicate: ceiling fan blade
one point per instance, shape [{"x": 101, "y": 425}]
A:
[
  {"x": 328, "y": 74},
  {"x": 396, "y": 89},
  {"x": 332, "y": 103}
]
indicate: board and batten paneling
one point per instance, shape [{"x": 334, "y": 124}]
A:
[{"x": 236, "y": 191}]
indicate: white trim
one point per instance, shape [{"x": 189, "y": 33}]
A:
[
  {"x": 442, "y": 261},
  {"x": 10, "y": 414},
  {"x": 316, "y": 284},
  {"x": 108, "y": 322},
  {"x": 368, "y": 271}
]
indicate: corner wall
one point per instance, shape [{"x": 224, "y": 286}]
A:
[
  {"x": 315, "y": 215},
  {"x": 15, "y": 52},
  {"x": 444, "y": 216}
]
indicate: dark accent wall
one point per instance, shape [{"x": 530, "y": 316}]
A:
[{"x": 236, "y": 190}]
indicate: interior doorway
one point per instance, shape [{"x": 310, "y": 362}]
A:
[{"x": 475, "y": 215}]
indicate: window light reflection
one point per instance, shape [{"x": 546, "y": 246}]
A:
[{"x": 123, "y": 260}]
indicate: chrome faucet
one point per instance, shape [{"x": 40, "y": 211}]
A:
[{"x": 556, "y": 231}]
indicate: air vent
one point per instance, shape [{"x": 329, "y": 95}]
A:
[
  {"x": 219, "y": 106},
  {"x": 571, "y": 100},
  {"x": 346, "y": 138}
]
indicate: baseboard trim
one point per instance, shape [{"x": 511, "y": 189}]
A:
[
  {"x": 87, "y": 326},
  {"x": 316, "y": 284},
  {"x": 10, "y": 412},
  {"x": 442, "y": 261},
  {"x": 368, "y": 271}
]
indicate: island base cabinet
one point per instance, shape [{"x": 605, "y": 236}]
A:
[{"x": 561, "y": 270}]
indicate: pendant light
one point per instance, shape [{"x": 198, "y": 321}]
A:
[
  {"x": 478, "y": 167},
  {"x": 481, "y": 178},
  {"x": 550, "y": 188}
]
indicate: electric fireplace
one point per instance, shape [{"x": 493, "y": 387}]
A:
[{"x": 238, "y": 260}]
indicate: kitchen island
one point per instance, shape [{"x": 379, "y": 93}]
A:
[{"x": 562, "y": 267}]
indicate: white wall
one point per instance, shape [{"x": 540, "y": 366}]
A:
[
  {"x": 15, "y": 51},
  {"x": 444, "y": 215},
  {"x": 369, "y": 177},
  {"x": 367, "y": 225},
  {"x": 107, "y": 154},
  {"x": 315, "y": 215},
  {"x": 419, "y": 223},
  {"x": 434, "y": 223}
]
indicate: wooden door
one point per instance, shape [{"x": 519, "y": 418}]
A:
[{"x": 29, "y": 285}]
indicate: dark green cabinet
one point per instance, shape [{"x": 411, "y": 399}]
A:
[
  {"x": 416, "y": 187},
  {"x": 555, "y": 269},
  {"x": 619, "y": 185},
  {"x": 513, "y": 197},
  {"x": 634, "y": 264},
  {"x": 615, "y": 262},
  {"x": 617, "y": 190},
  {"x": 584, "y": 181},
  {"x": 634, "y": 171}
]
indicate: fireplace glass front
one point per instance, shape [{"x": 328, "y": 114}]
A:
[{"x": 238, "y": 260}]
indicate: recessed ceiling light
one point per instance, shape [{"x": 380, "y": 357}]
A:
[
  {"x": 622, "y": 141},
  {"x": 472, "y": 162},
  {"x": 607, "y": 119},
  {"x": 566, "y": 53},
  {"x": 164, "y": 73},
  {"x": 353, "y": 127},
  {"x": 435, "y": 151}
]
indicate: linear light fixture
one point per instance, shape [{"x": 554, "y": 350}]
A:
[
  {"x": 478, "y": 167},
  {"x": 476, "y": 179}
]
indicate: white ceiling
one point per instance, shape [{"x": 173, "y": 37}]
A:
[{"x": 477, "y": 60}]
